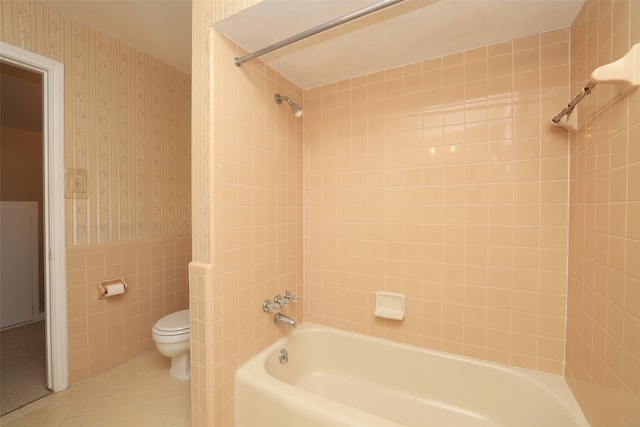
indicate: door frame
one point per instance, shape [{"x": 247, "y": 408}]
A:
[{"x": 54, "y": 220}]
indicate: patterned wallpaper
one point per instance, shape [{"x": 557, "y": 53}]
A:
[{"x": 127, "y": 123}]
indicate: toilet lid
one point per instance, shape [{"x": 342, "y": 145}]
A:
[{"x": 174, "y": 322}]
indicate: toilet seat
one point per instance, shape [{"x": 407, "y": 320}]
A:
[
  {"x": 171, "y": 339},
  {"x": 159, "y": 333},
  {"x": 173, "y": 324}
]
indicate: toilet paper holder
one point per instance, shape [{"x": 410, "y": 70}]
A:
[{"x": 109, "y": 288}]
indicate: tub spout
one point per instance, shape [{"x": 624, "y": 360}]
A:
[{"x": 281, "y": 319}]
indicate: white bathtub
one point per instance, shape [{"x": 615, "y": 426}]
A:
[{"x": 339, "y": 379}]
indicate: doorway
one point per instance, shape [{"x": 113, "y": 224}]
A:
[
  {"x": 51, "y": 263},
  {"x": 22, "y": 326}
]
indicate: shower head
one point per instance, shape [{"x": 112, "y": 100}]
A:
[{"x": 297, "y": 110}]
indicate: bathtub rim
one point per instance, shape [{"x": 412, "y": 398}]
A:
[{"x": 553, "y": 384}]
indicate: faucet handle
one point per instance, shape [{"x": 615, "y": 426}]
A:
[
  {"x": 270, "y": 307},
  {"x": 290, "y": 297},
  {"x": 282, "y": 301}
]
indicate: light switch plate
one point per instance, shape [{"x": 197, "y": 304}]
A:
[{"x": 75, "y": 183}]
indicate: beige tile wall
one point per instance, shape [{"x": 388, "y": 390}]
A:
[
  {"x": 603, "y": 326},
  {"x": 248, "y": 189},
  {"x": 444, "y": 181},
  {"x": 106, "y": 332},
  {"x": 127, "y": 123},
  {"x": 258, "y": 212}
]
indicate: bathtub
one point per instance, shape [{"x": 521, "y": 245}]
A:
[{"x": 339, "y": 379}]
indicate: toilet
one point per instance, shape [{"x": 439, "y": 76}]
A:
[{"x": 171, "y": 335}]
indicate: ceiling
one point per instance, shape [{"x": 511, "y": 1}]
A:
[
  {"x": 161, "y": 28},
  {"x": 408, "y": 32}
]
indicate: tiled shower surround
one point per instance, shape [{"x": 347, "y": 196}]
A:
[{"x": 445, "y": 181}]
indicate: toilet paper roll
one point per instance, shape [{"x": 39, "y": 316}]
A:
[{"x": 114, "y": 289}]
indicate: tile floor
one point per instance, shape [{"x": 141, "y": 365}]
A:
[{"x": 138, "y": 393}]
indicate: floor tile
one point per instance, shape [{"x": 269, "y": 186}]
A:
[{"x": 138, "y": 393}]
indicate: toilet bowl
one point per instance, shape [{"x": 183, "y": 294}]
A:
[{"x": 171, "y": 335}]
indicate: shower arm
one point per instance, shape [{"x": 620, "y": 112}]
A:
[
  {"x": 297, "y": 110},
  {"x": 317, "y": 29}
]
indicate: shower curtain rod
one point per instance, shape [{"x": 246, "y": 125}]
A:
[
  {"x": 317, "y": 29},
  {"x": 586, "y": 90}
]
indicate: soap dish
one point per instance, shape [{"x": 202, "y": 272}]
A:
[{"x": 389, "y": 305}]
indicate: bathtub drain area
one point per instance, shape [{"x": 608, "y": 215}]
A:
[{"x": 283, "y": 356}]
